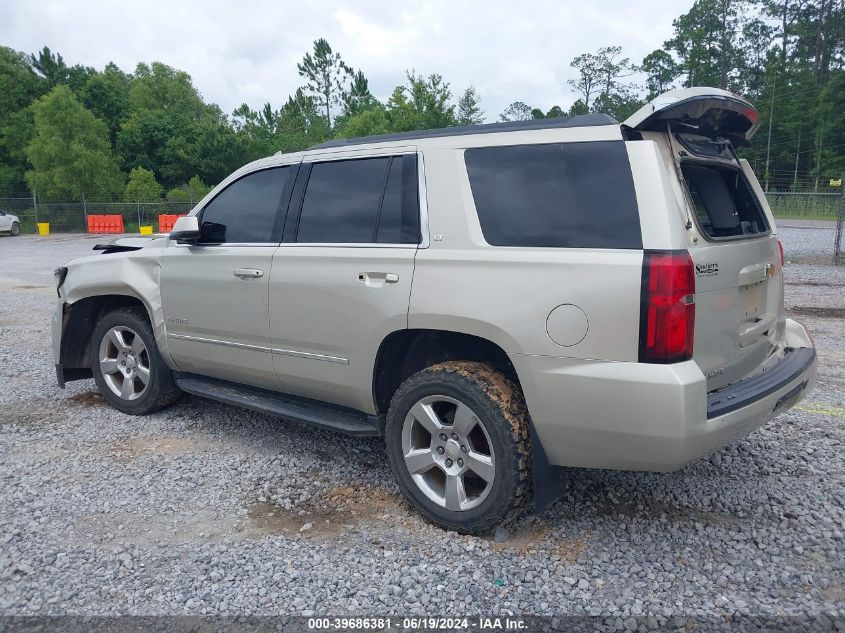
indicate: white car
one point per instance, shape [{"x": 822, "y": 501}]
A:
[{"x": 9, "y": 223}]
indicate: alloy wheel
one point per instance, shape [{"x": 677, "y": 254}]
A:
[
  {"x": 448, "y": 452},
  {"x": 125, "y": 363}
]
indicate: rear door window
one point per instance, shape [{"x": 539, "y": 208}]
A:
[
  {"x": 555, "y": 195},
  {"x": 725, "y": 204},
  {"x": 361, "y": 201}
]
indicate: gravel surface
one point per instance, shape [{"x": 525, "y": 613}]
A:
[{"x": 209, "y": 509}]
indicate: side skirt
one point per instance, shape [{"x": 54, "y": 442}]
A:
[{"x": 320, "y": 414}]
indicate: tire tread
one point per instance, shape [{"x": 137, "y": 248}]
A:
[{"x": 504, "y": 398}]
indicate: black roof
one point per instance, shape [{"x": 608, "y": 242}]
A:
[{"x": 580, "y": 120}]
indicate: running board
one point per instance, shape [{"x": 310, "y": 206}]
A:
[{"x": 320, "y": 414}]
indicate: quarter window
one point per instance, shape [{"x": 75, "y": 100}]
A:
[
  {"x": 555, "y": 195},
  {"x": 246, "y": 210}
]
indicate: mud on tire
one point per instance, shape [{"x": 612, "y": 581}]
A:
[{"x": 499, "y": 411}]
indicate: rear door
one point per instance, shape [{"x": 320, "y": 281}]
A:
[
  {"x": 739, "y": 286},
  {"x": 738, "y": 277},
  {"x": 341, "y": 280}
]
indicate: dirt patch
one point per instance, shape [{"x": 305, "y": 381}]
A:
[
  {"x": 818, "y": 312},
  {"x": 570, "y": 549},
  {"x": 29, "y": 287},
  {"x": 25, "y": 418},
  {"x": 526, "y": 540},
  {"x": 333, "y": 512},
  {"x": 167, "y": 445},
  {"x": 87, "y": 399}
]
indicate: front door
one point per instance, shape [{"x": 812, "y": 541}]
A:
[
  {"x": 341, "y": 281},
  {"x": 215, "y": 293}
]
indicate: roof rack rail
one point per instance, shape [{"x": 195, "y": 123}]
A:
[{"x": 579, "y": 120}]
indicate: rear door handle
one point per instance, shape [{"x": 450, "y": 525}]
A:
[
  {"x": 248, "y": 273},
  {"x": 378, "y": 279}
]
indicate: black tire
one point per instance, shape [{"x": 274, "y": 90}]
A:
[
  {"x": 16, "y": 229},
  {"x": 160, "y": 390},
  {"x": 498, "y": 405}
]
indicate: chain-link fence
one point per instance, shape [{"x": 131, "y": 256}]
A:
[
  {"x": 72, "y": 217},
  {"x": 810, "y": 224}
]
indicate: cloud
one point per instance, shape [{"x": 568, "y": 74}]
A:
[{"x": 247, "y": 51}]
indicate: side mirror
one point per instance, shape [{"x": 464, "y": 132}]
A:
[{"x": 186, "y": 230}]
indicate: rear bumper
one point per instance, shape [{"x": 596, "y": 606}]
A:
[{"x": 633, "y": 416}]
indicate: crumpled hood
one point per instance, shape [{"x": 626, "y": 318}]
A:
[{"x": 135, "y": 242}]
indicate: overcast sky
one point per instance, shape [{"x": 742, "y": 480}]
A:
[{"x": 247, "y": 51}]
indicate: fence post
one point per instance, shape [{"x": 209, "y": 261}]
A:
[
  {"x": 139, "y": 215},
  {"x": 840, "y": 221},
  {"x": 85, "y": 211},
  {"x": 35, "y": 206}
]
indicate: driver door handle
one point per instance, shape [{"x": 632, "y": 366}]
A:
[{"x": 248, "y": 273}]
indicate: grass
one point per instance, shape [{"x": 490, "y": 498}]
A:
[{"x": 809, "y": 207}]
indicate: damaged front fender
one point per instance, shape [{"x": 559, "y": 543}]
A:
[{"x": 98, "y": 283}]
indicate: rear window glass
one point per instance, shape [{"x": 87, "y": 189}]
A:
[
  {"x": 724, "y": 201},
  {"x": 555, "y": 195}
]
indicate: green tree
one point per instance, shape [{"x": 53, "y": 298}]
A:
[
  {"x": 50, "y": 66},
  {"x": 661, "y": 71},
  {"x": 19, "y": 83},
  {"x": 589, "y": 69},
  {"x": 600, "y": 77},
  {"x": 19, "y": 86},
  {"x": 517, "y": 111},
  {"x": 70, "y": 153},
  {"x": 367, "y": 123},
  {"x": 707, "y": 41},
  {"x": 358, "y": 98},
  {"x": 469, "y": 108},
  {"x": 193, "y": 191},
  {"x": 300, "y": 123},
  {"x": 327, "y": 77},
  {"x": 142, "y": 186},
  {"x": 106, "y": 94},
  {"x": 172, "y": 132},
  {"x": 431, "y": 98}
]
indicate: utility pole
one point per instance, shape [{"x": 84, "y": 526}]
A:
[
  {"x": 769, "y": 140},
  {"x": 840, "y": 225}
]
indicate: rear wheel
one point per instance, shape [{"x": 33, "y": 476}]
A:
[
  {"x": 16, "y": 229},
  {"x": 457, "y": 439},
  {"x": 127, "y": 367}
]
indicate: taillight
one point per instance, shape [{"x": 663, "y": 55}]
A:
[
  {"x": 667, "y": 309},
  {"x": 780, "y": 248}
]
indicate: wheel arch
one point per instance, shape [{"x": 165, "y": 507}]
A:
[
  {"x": 78, "y": 321},
  {"x": 403, "y": 353}
]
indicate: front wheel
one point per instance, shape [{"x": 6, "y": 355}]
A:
[
  {"x": 127, "y": 367},
  {"x": 457, "y": 440},
  {"x": 16, "y": 229}
]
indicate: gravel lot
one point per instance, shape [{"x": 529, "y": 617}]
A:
[{"x": 209, "y": 509}]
